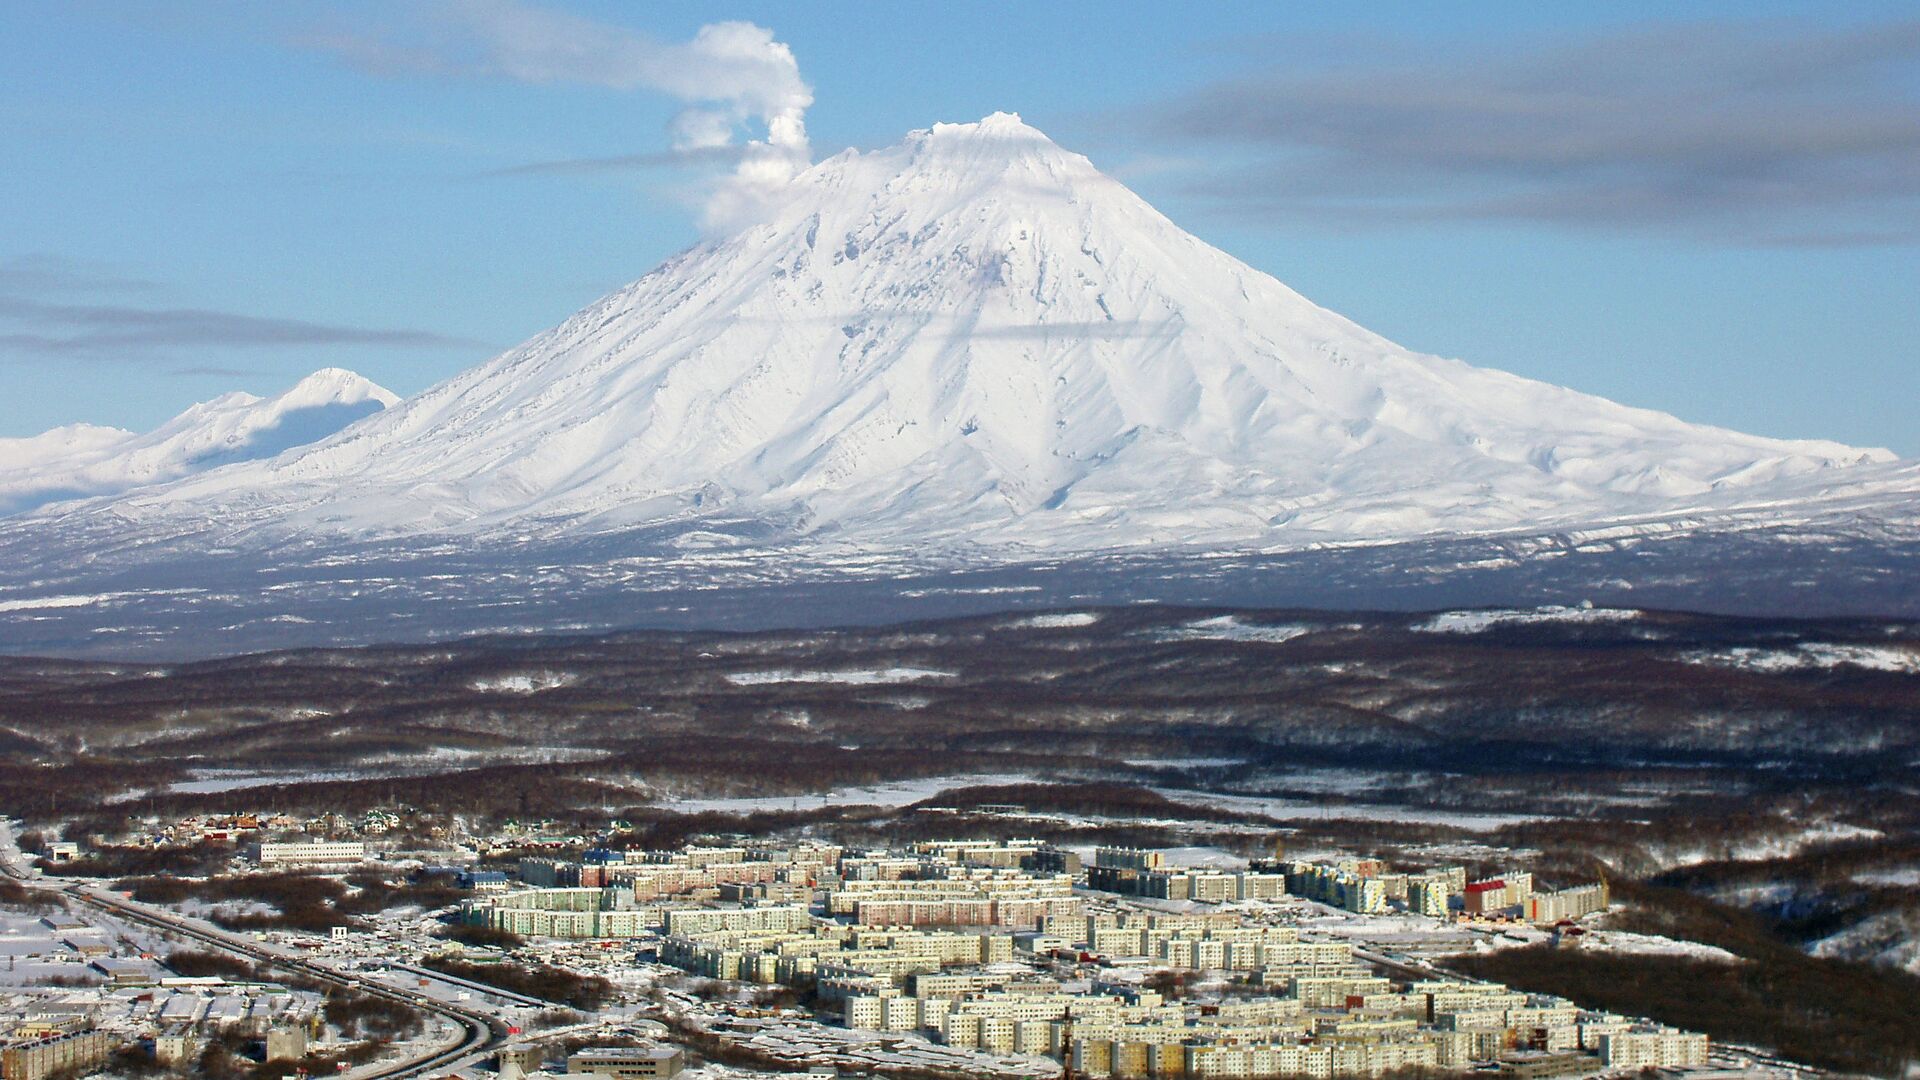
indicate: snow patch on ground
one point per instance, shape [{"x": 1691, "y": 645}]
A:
[
  {"x": 213, "y": 781},
  {"x": 1597, "y": 939},
  {"x": 1473, "y": 622},
  {"x": 526, "y": 683},
  {"x": 1891, "y": 938},
  {"x": 901, "y": 793},
  {"x": 1060, "y": 621},
  {"x": 1230, "y": 628},
  {"x": 226, "y": 909},
  {"x": 1282, "y": 809},
  {"x": 38, "y": 602},
  {"x": 1399, "y": 933},
  {"x": 1778, "y": 846},
  {"x": 33, "y": 952},
  {"x": 1622, "y": 941},
  {"x": 1905, "y": 877},
  {"x": 438, "y": 759},
  {"x": 1330, "y": 780},
  {"x": 1211, "y": 858},
  {"x": 867, "y": 677},
  {"x": 1813, "y": 655}
]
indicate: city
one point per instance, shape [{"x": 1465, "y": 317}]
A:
[{"x": 943, "y": 958}]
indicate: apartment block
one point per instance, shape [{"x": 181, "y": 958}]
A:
[
  {"x": 314, "y": 853},
  {"x": 1491, "y": 895},
  {"x": 1647, "y": 1046},
  {"x": 1568, "y": 903},
  {"x": 64, "y": 1054}
]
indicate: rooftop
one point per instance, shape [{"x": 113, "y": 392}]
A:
[{"x": 626, "y": 1053}]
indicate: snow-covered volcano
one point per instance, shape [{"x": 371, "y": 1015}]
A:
[{"x": 973, "y": 337}]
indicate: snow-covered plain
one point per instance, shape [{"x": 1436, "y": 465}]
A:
[{"x": 34, "y": 952}]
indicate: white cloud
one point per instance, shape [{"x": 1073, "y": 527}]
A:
[{"x": 733, "y": 76}]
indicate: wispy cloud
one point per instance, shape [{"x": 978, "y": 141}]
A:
[
  {"x": 729, "y": 74},
  {"x": 1735, "y": 131},
  {"x": 43, "y": 273},
  {"x": 118, "y": 331},
  {"x": 669, "y": 159},
  {"x": 219, "y": 371}
]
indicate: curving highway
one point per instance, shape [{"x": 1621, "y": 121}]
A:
[
  {"x": 12, "y": 863},
  {"x": 480, "y": 1031}
]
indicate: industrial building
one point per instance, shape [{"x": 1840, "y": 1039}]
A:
[{"x": 628, "y": 1062}]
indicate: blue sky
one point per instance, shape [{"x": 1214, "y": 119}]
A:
[{"x": 1718, "y": 217}]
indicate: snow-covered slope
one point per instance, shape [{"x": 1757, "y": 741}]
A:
[
  {"x": 975, "y": 338},
  {"x": 83, "y": 460}
]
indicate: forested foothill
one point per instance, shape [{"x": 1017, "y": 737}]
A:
[{"x": 1744, "y": 782}]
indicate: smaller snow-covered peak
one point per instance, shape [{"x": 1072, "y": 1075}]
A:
[
  {"x": 232, "y": 399},
  {"x": 327, "y": 389},
  {"x": 82, "y": 460},
  {"x": 336, "y": 386},
  {"x": 64, "y": 439}
]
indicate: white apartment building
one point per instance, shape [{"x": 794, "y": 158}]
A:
[
  {"x": 1567, "y": 903},
  {"x": 1257, "y": 1062},
  {"x": 1647, "y": 1046},
  {"x": 311, "y": 853}
]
